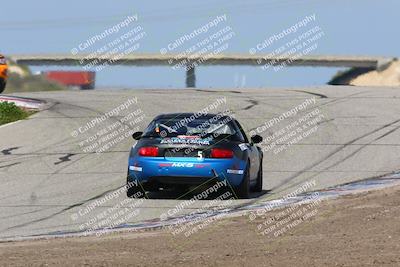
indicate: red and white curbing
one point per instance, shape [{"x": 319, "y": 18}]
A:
[{"x": 23, "y": 102}]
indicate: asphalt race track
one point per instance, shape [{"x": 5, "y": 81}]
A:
[{"x": 46, "y": 177}]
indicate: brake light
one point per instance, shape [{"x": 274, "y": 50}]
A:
[
  {"x": 148, "y": 151},
  {"x": 221, "y": 153}
]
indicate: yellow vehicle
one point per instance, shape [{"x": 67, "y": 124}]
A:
[{"x": 3, "y": 73}]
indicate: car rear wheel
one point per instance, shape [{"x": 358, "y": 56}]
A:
[
  {"x": 2, "y": 85},
  {"x": 259, "y": 184},
  {"x": 133, "y": 190},
  {"x": 243, "y": 190}
]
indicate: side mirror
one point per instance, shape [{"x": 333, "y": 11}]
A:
[
  {"x": 256, "y": 139},
  {"x": 137, "y": 135}
]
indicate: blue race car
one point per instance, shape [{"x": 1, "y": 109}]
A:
[{"x": 187, "y": 149}]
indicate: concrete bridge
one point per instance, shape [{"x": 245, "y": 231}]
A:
[{"x": 188, "y": 63}]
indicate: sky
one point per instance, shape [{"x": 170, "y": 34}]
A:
[{"x": 350, "y": 27}]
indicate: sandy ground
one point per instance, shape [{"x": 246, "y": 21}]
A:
[
  {"x": 356, "y": 230},
  {"x": 388, "y": 77}
]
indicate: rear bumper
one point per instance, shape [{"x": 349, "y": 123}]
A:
[
  {"x": 178, "y": 180},
  {"x": 189, "y": 171}
]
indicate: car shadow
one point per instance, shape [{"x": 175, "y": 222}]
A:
[
  {"x": 259, "y": 194},
  {"x": 179, "y": 194}
]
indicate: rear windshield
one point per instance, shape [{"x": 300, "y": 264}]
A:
[{"x": 199, "y": 127}]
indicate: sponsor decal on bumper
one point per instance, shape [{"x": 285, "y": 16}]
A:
[
  {"x": 135, "y": 168},
  {"x": 182, "y": 165},
  {"x": 234, "y": 171}
]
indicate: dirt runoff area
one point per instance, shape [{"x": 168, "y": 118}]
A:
[
  {"x": 355, "y": 230},
  {"x": 387, "y": 77}
]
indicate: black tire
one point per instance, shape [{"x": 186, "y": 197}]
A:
[
  {"x": 2, "y": 85},
  {"x": 87, "y": 87},
  {"x": 259, "y": 183},
  {"x": 134, "y": 191},
  {"x": 243, "y": 190}
]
